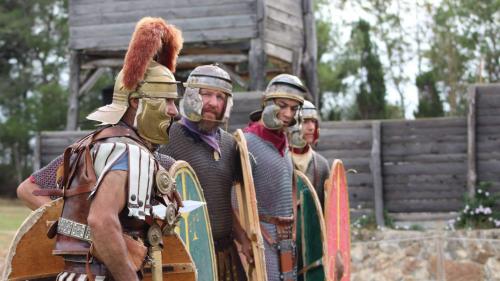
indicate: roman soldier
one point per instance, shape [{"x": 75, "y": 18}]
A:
[
  {"x": 272, "y": 172},
  {"x": 198, "y": 139},
  {"x": 114, "y": 189},
  {"x": 304, "y": 137}
]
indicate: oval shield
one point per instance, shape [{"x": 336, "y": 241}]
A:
[
  {"x": 310, "y": 232},
  {"x": 194, "y": 226},
  {"x": 337, "y": 219}
]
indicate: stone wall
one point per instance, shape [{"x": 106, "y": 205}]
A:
[{"x": 430, "y": 255}]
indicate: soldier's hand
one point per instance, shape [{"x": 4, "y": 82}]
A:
[{"x": 246, "y": 249}]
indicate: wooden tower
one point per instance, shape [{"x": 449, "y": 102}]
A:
[{"x": 251, "y": 39}]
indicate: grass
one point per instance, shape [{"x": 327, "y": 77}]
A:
[{"x": 12, "y": 215}]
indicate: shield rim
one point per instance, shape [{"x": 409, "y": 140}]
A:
[{"x": 259, "y": 272}]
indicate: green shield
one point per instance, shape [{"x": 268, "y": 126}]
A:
[
  {"x": 310, "y": 232},
  {"x": 194, "y": 227}
]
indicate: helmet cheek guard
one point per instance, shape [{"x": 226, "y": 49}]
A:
[
  {"x": 191, "y": 104},
  {"x": 270, "y": 116}
]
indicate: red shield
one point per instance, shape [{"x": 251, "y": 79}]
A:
[{"x": 337, "y": 220}]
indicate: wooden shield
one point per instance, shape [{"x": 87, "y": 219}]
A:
[
  {"x": 248, "y": 214},
  {"x": 30, "y": 253},
  {"x": 194, "y": 227},
  {"x": 337, "y": 219},
  {"x": 310, "y": 232}
]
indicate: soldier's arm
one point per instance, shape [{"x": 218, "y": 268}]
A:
[
  {"x": 25, "y": 193},
  {"x": 103, "y": 219},
  {"x": 43, "y": 178}
]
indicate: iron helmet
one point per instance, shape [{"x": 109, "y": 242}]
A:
[{"x": 205, "y": 77}]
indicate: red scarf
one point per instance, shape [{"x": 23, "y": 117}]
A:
[
  {"x": 300, "y": 150},
  {"x": 276, "y": 137}
]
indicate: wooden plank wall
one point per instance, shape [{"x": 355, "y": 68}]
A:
[
  {"x": 284, "y": 28},
  {"x": 351, "y": 142},
  {"x": 52, "y": 144},
  {"x": 488, "y": 134},
  {"x": 107, "y": 25},
  {"x": 424, "y": 164}
]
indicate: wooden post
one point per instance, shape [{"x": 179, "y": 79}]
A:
[
  {"x": 376, "y": 169},
  {"x": 37, "y": 155},
  {"x": 91, "y": 80},
  {"x": 74, "y": 85},
  {"x": 471, "y": 142},
  {"x": 297, "y": 63},
  {"x": 257, "y": 58},
  {"x": 310, "y": 56}
]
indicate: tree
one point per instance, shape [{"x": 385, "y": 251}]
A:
[
  {"x": 465, "y": 34},
  {"x": 429, "y": 104},
  {"x": 32, "y": 57},
  {"x": 370, "y": 98}
]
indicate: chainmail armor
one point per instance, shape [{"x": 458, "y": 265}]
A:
[
  {"x": 272, "y": 175},
  {"x": 216, "y": 177}
]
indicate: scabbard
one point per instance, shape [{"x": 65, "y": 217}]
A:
[
  {"x": 157, "y": 265},
  {"x": 287, "y": 253}
]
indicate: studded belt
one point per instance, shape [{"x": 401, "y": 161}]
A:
[{"x": 73, "y": 229}]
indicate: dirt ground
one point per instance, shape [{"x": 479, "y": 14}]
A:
[{"x": 12, "y": 214}]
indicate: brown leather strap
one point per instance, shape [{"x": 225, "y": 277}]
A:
[
  {"x": 117, "y": 131},
  {"x": 48, "y": 192},
  {"x": 90, "y": 276},
  {"x": 276, "y": 220},
  {"x": 83, "y": 188}
]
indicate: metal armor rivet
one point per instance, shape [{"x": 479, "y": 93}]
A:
[
  {"x": 164, "y": 182},
  {"x": 132, "y": 197}
]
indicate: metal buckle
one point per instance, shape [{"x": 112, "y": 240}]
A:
[{"x": 73, "y": 229}]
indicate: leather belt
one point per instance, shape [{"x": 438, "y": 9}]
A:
[
  {"x": 73, "y": 229},
  {"x": 276, "y": 220}
]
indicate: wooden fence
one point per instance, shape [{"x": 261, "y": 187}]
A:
[{"x": 402, "y": 166}]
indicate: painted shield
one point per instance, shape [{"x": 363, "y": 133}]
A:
[
  {"x": 310, "y": 232},
  {"x": 248, "y": 214},
  {"x": 194, "y": 226},
  {"x": 337, "y": 219},
  {"x": 30, "y": 253}
]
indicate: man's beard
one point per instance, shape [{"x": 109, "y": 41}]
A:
[
  {"x": 209, "y": 126},
  {"x": 206, "y": 126}
]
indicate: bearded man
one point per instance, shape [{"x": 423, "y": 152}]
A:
[{"x": 198, "y": 139}]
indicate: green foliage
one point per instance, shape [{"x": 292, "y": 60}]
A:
[
  {"x": 370, "y": 98},
  {"x": 479, "y": 210},
  {"x": 464, "y": 33},
  {"x": 430, "y": 104},
  {"x": 33, "y": 40}
]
